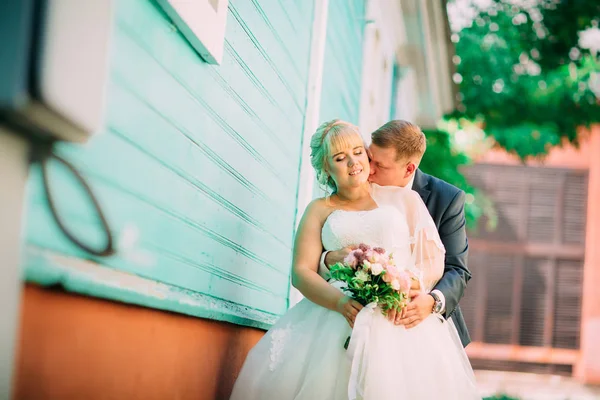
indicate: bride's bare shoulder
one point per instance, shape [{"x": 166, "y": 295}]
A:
[{"x": 319, "y": 209}]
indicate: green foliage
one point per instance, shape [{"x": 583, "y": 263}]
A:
[
  {"x": 524, "y": 75},
  {"x": 563, "y": 21},
  {"x": 525, "y": 79},
  {"x": 365, "y": 291},
  {"x": 500, "y": 397},
  {"x": 443, "y": 161}
]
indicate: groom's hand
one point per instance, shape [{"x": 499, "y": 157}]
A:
[{"x": 417, "y": 310}]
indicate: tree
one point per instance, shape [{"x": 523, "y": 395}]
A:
[
  {"x": 524, "y": 73},
  {"x": 527, "y": 75},
  {"x": 564, "y": 22}
]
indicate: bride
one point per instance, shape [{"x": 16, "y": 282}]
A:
[{"x": 302, "y": 356}]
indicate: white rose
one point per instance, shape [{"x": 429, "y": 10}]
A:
[
  {"x": 366, "y": 265},
  {"x": 396, "y": 284},
  {"x": 362, "y": 276},
  {"x": 376, "y": 269}
]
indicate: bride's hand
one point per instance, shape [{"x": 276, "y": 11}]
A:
[
  {"x": 396, "y": 316},
  {"x": 349, "y": 309},
  {"x": 338, "y": 256}
]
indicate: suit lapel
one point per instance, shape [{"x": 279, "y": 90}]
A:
[{"x": 420, "y": 185}]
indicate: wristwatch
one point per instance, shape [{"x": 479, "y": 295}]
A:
[{"x": 437, "y": 303}]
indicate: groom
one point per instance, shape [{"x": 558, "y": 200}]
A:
[{"x": 396, "y": 151}]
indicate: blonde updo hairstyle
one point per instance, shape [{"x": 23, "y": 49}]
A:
[{"x": 331, "y": 137}]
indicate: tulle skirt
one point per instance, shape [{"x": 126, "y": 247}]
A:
[{"x": 302, "y": 357}]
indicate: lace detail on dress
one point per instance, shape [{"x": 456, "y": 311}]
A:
[
  {"x": 381, "y": 227},
  {"x": 278, "y": 339}
]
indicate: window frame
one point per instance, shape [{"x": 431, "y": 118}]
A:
[{"x": 201, "y": 24}]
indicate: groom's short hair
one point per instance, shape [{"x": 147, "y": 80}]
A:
[{"x": 407, "y": 138}]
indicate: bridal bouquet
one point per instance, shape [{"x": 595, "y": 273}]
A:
[{"x": 372, "y": 276}]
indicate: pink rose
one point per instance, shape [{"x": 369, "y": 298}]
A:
[
  {"x": 372, "y": 256},
  {"x": 387, "y": 278},
  {"x": 363, "y": 247},
  {"x": 404, "y": 281},
  {"x": 360, "y": 256},
  {"x": 379, "y": 250},
  {"x": 391, "y": 273},
  {"x": 351, "y": 260},
  {"x": 381, "y": 258}
]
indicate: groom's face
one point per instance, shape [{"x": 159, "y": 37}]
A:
[{"x": 387, "y": 169}]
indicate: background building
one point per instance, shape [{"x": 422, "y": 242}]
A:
[{"x": 531, "y": 305}]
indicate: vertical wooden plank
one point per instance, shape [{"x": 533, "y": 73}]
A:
[
  {"x": 550, "y": 302},
  {"x": 524, "y": 200},
  {"x": 500, "y": 279},
  {"x": 549, "y": 311},
  {"x": 306, "y": 181},
  {"x": 517, "y": 292},
  {"x": 517, "y": 295},
  {"x": 575, "y": 210},
  {"x": 313, "y": 104},
  {"x": 559, "y": 209},
  {"x": 481, "y": 304},
  {"x": 567, "y": 314}
]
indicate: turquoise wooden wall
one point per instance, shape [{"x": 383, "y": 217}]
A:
[
  {"x": 342, "y": 69},
  {"x": 197, "y": 168}
]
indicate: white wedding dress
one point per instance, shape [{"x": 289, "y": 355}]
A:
[{"x": 302, "y": 357}]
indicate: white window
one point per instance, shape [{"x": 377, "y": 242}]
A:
[{"x": 202, "y": 22}]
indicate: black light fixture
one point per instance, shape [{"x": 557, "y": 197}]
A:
[{"x": 54, "y": 61}]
